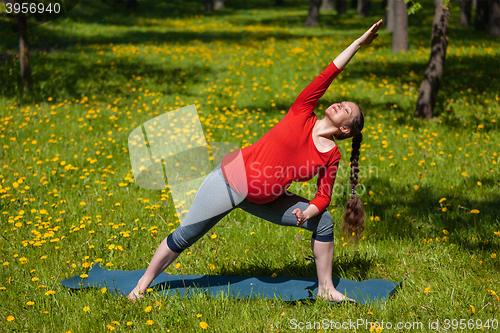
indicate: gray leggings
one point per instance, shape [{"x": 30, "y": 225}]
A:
[{"x": 215, "y": 199}]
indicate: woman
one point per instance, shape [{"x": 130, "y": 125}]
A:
[{"x": 255, "y": 178}]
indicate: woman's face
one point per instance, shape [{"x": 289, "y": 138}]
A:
[{"x": 342, "y": 114}]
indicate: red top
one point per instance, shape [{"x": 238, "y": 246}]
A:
[{"x": 264, "y": 170}]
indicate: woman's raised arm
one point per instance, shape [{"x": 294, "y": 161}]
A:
[{"x": 343, "y": 59}]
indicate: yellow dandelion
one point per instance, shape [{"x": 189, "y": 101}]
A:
[
  {"x": 214, "y": 236},
  {"x": 442, "y": 199},
  {"x": 110, "y": 327},
  {"x": 479, "y": 184},
  {"x": 148, "y": 309},
  {"x": 177, "y": 265},
  {"x": 203, "y": 325},
  {"x": 472, "y": 308},
  {"x": 493, "y": 255},
  {"x": 103, "y": 290},
  {"x": 49, "y": 292},
  {"x": 129, "y": 323},
  {"x": 86, "y": 309},
  {"x": 199, "y": 315},
  {"x": 30, "y": 303},
  {"x": 416, "y": 187},
  {"x": 150, "y": 322},
  {"x": 474, "y": 211},
  {"x": 427, "y": 290},
  {"x": 446, "y": 232},
  {"x": 10, "y": 318},
  {"x": 115, "y": 322},
  {"x": 464, "y": 174},
  {"x": 82, "y": 203}
]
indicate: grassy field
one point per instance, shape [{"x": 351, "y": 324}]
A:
[{"x": 68, "y": 198}]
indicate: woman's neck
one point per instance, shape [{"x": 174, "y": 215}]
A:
[{"x": 324, "y": 129}]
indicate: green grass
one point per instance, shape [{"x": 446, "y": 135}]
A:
[{"x": 67, "y": 191}]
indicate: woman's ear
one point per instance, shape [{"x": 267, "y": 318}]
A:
[{"x": 345, "y": 129}]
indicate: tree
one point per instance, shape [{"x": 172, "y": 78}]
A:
[
  {"x": 400, "y": 33},
  {"x": 482, "y": 15},
  {"x": 131, "y": 5},
  {"x": 341, "y": 6},
  {"x": 495, "y": 18},
  {"x": 327, "y": 5},
  {"x": 429, "y": 87},
  {"x": 364, "y": 8},
  {"x": 218, "y": 4},
  {"x": 313, "y": 15},
  {"x": 209, "y": 5},
  {"x": 465, "y": 13},
  {"x": 389, "y": 16},
  {"x": 23, "y": 47}
]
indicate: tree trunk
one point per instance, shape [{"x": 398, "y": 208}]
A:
[
  {"x": 363, "y": 8},
  {"x": 209, "y": 5},
  {"x": 341, "y": 7},
  {"x": 465, "y": 13},
  {"x": 313, "y": 15},
  {"x": 495, "y": 18},
  {"x": 327, "y": 5},
  {"x": 389, "y": 16},
  {"x": 400, "y": 33},
  {"x": 131, "y": 5},
  {"x": 482, "y": 15},
  {"x": 24, "y": 53},
  {"x": 218, "y": 4},
  {"x": 427, "y": 95}
]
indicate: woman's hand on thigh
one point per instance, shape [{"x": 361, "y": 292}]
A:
[{"x": 301, "y": 218}]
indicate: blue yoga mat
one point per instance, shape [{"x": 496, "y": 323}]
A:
[{"x": 121, "y": 283}]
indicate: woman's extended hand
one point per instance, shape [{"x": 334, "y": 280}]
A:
[
  {"x": 369, "y": 35},
  {"x": 301, "y": 218}
]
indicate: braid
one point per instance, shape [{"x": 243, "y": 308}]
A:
[
  {"x": 355, "y": 211},
  {"x": 356, "y": 144}
]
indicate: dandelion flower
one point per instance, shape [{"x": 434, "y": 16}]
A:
[
  {"x": 203, "y": 325},
  {"x": 86, "y": 309},
  {"x": 493, "y": 255},
  {"x": 148, "y": 309},
  {"x": 474, "y": 211},
  {"x": 427, "y": 290},
  {"x": 10, "y": 318},
  {"x": 150, "y": 322}
]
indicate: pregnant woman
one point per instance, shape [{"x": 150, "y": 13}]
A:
[{"x": 256, "y": 178}]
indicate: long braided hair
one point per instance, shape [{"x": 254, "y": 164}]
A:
[{"x": 354, "y": 215}]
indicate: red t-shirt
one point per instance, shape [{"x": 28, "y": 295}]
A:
[{"x": 264, "y": 170}]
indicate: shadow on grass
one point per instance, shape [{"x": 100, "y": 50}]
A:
[
  {"x": 81, "y": 78},
  {"x": 408, "y": 214},
  {"x": 347, "y": 266}
]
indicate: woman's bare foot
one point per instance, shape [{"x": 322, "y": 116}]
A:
[
  {"x": 135, "y": 294},
  {"x": 333, "y": 296}
]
